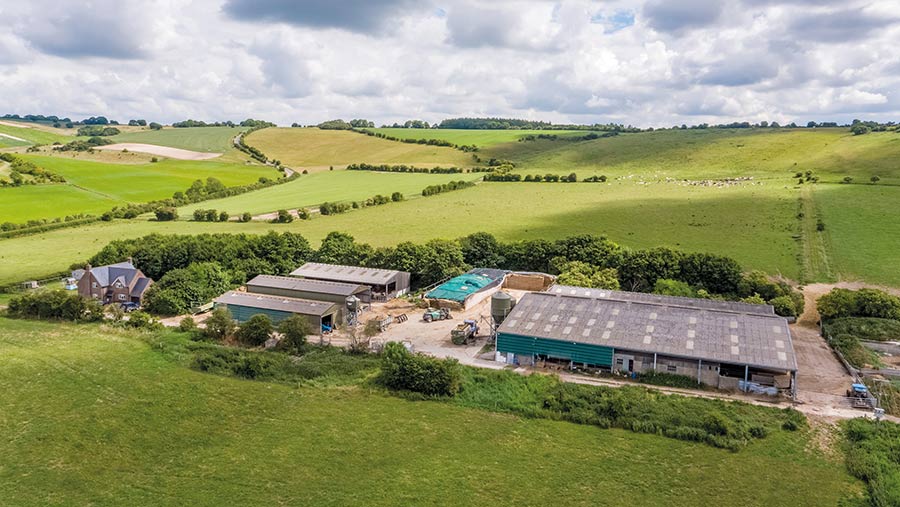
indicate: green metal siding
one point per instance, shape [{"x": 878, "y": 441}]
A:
[
  {"x": 577, "y": 352},
  {"x": 243, "y": 313}
]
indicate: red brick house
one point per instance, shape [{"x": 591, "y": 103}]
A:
[{"x": 116, "y": 283}]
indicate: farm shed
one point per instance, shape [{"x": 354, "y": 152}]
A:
[
  {"x": 466, "y": 290},
  {"x": 315, "y": 290},
  {"x": 722, "y": 344},
  {"x": 244, "y": 305},
  {"x": 384, "y": 283}
]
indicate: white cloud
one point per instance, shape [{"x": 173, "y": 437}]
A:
[{"x": 643, "y": 62}]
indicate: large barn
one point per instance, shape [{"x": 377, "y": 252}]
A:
[
  {"x": 723, "y": 344},
  {"x": 243, "y": 305},
  {"x": 315, "y": 290},
  {"x": 385, "y": 283}
]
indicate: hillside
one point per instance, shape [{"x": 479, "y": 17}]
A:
[
  {"x": 480, "y": 138},
  {"x": 120, "y": 423},
  {"x": 314, "y": 149},
  {"x": 205, "y": 139}
]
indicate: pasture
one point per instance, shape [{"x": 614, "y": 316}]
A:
[
  {"x": 32, "y": 134},
  {"x": 753, "y": 223},
  {"x": 205, "y": 139},
  {"x": 96, "y": 416},
  {"x": 34, "y": 202},
  {"x": 831, "y": 154},
  {"x": 480, "y": 138},
  {"x": 314, "y": 149},
  {"x": 311, "y": 190}
]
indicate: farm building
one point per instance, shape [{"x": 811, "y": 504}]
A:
[
  {"x": 385, "y": 283},
  {"x": 466, "y": 290},
  {"x": 244, "y": 305},
  {"x": 722, "y": 344},
  {"x": 315, "y": 290}
]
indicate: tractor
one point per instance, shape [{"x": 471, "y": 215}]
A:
[
  {"x": 433, "y": 314},
  {"x": 464, "y": 332},
  {"x": 859, "y": 396}
]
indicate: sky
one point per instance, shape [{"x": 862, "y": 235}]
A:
[{"x": 650, "y": 63}]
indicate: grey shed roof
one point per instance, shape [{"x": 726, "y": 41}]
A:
[
  {"x": 709, "y": 304},
  {"x": 353, "y": 274},
  {"x": 292, "y": 305},
  {"x": 306, "y": 285},
  {"x": 714, "y": 335}
]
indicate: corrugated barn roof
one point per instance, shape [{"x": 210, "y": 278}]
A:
[
  {"x": 305, "y": 285},
  {"x": 292, "y": 305},
  {"x": 667, "y": 326},
  {"x": 353, "y": 274}
]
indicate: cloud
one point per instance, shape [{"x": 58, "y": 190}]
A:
[
  {"x": 364, "y": 16},
  {"x": 740, "y": 71},
  {"x": 102, "y": 28},
  {"x": 668, "y": 16},
  {"x": 840, "y": 26}
]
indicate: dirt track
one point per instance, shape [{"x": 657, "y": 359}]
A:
[{"x": 163, "y": 151}]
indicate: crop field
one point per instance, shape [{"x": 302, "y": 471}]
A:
[
  {"x": 311, "y": 190},
  {"x": 33, "y": 202},
  {"x": 94, "y": 416},
  {"x": 314, "y": 149},
  {"x": 205, "y": 139},
  {"x": 480, "y": 138},
  {"x": 831, "y": 154},
  {"x": 862, "y": 229},
  {"x": 731, "y": 221},
  {"x": 32, "y": 134}
]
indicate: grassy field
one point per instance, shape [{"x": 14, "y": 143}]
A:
[
  {"x": 480, "y": 138},
  {"x": 36, "y": 134},
  {"x": 311, "y": 190},
  {"x": 33, "y": 202},
  {"x": 96, "y": 417},
  {"x": 862, "y": 230},
  {"x": 314, "y": 149},
  {"x": 206, "y": 139},
  {"x": 701, "y": 154},
  {"x": 735, "y": 221}
]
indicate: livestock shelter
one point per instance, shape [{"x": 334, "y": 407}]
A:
[
  {"x": 723, "y": 344},
  {"x": 244, "y": 305},
  {"x": 466, "y": 290},
  {"x": 315, "y": 290},
  {"x": 385, "y": 283}
]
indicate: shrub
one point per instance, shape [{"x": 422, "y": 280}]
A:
[
  {"x": 219, "y": 325},
  {"x": 866, "y": 328},
  {"x": 246, "y": 217},
  {"x": 862, "y": 303},
  {"x": 142, "y": 320},
  {"x": 294, "y": 331},
  {"x": 223, "y": 216},
  {"x": 187, "y": 325},
  {"x": 179, "y": 289},
  {"x": 166, "y": 214},
  {"x": 55, "y": 305},
  {"x": 283, "y": 217},
  {"x": 303, "y": 214},
  {"x": 418, "y": 373},
  {"x": 255, "y": 331}
]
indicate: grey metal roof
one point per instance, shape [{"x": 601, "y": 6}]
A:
[
  {"x": 352, "y": 274},
  {"x": 292, "y": 305},
  {"x": 306, "y": 285},
  {"x": 709, "y": 304},
  {"x": 124, "y": 272},
  {"x": 680, "y": 330}
]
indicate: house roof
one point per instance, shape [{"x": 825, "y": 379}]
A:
[
  {"x": 306, "y": 285},
  {"x": 107, "y": 275},
  {"x": 351, "y": 274},
  {"x": 266, "y": 302},
  {"x": 667, "y": 327},
  {"x": 140, "y": 286}
]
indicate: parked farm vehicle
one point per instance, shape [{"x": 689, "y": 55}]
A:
[
  {"x": 859, "y": 396},
  {"x": 436, "y": 314},
  {"x": 464, "y": 332}
]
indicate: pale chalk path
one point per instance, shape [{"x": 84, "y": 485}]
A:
[
  {"x": 163, "y": 151},
  {"x": 14, "y": 138}
]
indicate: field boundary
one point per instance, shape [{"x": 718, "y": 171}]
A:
[{"x": 815, "y": 265}]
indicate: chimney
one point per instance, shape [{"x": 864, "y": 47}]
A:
[
  {"x": 87, "y": 267},
  {"x": 130, "y": 261}
]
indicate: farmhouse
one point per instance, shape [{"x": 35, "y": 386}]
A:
[
  {"x": 244, "y": 305},
  {"x": 723, "y": 344},
  {"x": 384, "y": 283},
  {"x": 315, "y": 290},
  {"x": 115, "y": 283}
]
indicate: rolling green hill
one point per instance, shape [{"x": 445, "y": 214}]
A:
[
  {"x": 314, "y": 149},
  {"x": 96, "y": 416},
  {"x": 480, "y": 138},
  {"x": 33, "y": 134},
  {"x": 205, "y": 139}
]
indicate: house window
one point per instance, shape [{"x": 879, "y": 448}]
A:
[
  {"x": 121, "y": 297},
  {"x": 620, "y": 362},
  {"x": 671, "y": 368},
  {"x": 118, "y": 285},
  {"x": 94, "y": 285}
]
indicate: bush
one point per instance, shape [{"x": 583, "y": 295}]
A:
[
  {"x": 55, "y": 305},
  {"x": 246, "y": 217},
  {"x": 866, "y": 328},
  {"x": 784, "y": 306},
  {"x": 294, "y": 331},
  {"x": 166, "y": 214},
  {"x": 862, "y": 303},
  {"x": 142, "y": 320},
  {"x": 303, "y": 214},
  {"x": 187, "y": 325},
  {"x": 179, "y": 289},
  {"x": 255, "y": 331},
  {"x": 283, "y": 217},
  {"x": 219, "y": 325},
  {"x": 223, "y": 216},
  {"x": 418, "y": 373}
]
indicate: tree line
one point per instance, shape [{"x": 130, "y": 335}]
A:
[{"x": 402, "y": 168}]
